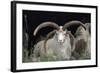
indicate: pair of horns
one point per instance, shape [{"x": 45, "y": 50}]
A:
[{"x": 56, "y": 26}]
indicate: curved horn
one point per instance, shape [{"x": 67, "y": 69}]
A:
[
  {"x": 45, "y": 24},
  {"x": 47, "y": 37},
  {"x": 73, "y": 38},
  {"x": 68, "y": 24},
  {"x": 88, "y": 26}
]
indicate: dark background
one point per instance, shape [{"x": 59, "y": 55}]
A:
[{"x": 34, "y": 18}]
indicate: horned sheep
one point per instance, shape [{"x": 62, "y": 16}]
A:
[
  {"x": 83, "y": 42},
  {"x": 60, "y": 46}
]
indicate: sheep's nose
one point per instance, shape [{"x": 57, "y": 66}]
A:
[{"x": 60, "y": 41}]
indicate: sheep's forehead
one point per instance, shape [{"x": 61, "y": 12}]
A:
[{"x": 61, "y": 28}]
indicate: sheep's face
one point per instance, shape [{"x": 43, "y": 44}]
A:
[{"x": 60, "y": 36}]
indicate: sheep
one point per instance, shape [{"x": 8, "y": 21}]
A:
[
  {"x": 83, "y": 42},
  {"x": 57, "y": 50},
  {"x": 60, "y": 46}
]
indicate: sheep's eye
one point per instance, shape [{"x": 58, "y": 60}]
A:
[{"x": 56, "y": 35}]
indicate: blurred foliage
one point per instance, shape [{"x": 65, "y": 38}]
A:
[{"x": 49, "y": 56}]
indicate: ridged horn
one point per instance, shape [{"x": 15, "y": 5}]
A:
[
  {"x": 47, "y": 37},
  {"x": 88, "y": 26},
  {"x": 70, "y": 23},
  {"x": 73, "y": 38},
  {"x": 45, "y": 24}
]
